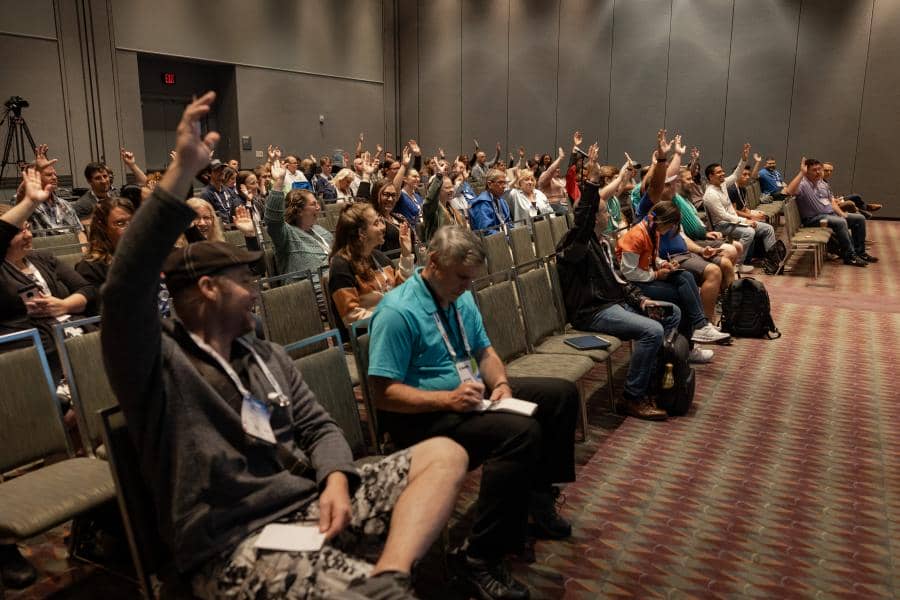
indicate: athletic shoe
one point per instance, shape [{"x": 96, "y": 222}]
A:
[
  {"x": 708, "y": 334},
  {"x": 868, "y": 258},
  {"x": 743, "y": 269},
  {"x": 855, "y": 261},
  {"x": 700, "y": 356}
]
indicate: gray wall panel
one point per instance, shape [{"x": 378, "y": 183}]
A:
[
  {"x": 408, "y": 72},
  {"x": 533, "y": 55},
  {"x": 292, "y": 104},
  {"x": 831, "y": 64},
  {"x": 439, "y": 77},
  {"x": 640, "y": 57},
  {"x": 28, "y": 18},
  {"x": 880, "y": 124},
  {"x": 585, "y": 52},
  {"x": 485, "y": 64},
  {"x": 45, "y": 118},
  {"x": 698, "y": 72},
  {"x": 338, "y": 37},
  {"x": 130, "y": 103},
  {"x": 761, "y": 79}
]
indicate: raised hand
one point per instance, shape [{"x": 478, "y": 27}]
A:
[
  {"x": 561, "y": 153},
  {"x": 745, "y": 153},
  {"x": 31, "y": 186},
  {"x": 274, "y": 152},
  {"x": 195, "y": 152},
  {"x": 757, "y": 157},
  {"x": 626, "y": 166},
  {"x": 499, "y": 147},
  {"x": 662, "y": 144},
  {"x": 247, "y": 192},
  {"x": 803, "y": 165},
  {"x": 474, "y": 141},
  {"x": 127, "y": 157},
  {"x": 278, "y": 172},
  {"x": 414, "y": 146},
  {"x": 441, "y": 153},
  {"x": 378, "y": 149},
  {"x": 679, "y": 147},
  {"x": 40, "y": 157},
  {"x": 362, "y": 137},
  {"x": 521, "y": 152},
  {"x": 172, "y": 156},
  {"x": 369, "y": 164},
  {"x": 406, "y": 156},
  {"x": 244, "y": 222},
  {"x": 577, "y": 138}
]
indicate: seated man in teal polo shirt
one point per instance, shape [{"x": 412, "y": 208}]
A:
[{"x": 431, "y": 365}]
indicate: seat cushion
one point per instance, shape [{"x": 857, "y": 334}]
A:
[
  {"x": 41, "y": 499},
  {"x": 555, "y": 366},
  {"x": 812, "y": 234},
  {"x": 771, "y": 209},
  {"x": 556, "y": 344}
]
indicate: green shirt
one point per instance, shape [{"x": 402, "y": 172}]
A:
[{"x": 690, "y": 220}]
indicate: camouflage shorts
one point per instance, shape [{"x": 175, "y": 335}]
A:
[{"x": 246, "y": 572}]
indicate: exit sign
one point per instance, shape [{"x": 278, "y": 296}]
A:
[{"x": 168, "y": 78}]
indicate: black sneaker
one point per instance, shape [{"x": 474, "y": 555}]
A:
[
  {"x": 487, "y": 580},
  {"x": 868, "y": 257},
  {"x": 387, "y": 585},
  {"x": 855, "y": 261},
  {"x": 546, "y": 522},
  {"x": 15, "y": 572}
]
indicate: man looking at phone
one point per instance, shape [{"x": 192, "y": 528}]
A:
[
  {"x": 599, "y": 298},
  {"x": 431, "y": 366}
]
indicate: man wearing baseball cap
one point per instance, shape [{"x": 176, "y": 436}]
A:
[{"x": 230, "y": 437}]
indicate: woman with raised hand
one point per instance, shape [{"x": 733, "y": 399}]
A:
[
  {"x": 438, "y": 209},
  {"x": 525, "y": 200},
  {"x": 360, "y": 274}
]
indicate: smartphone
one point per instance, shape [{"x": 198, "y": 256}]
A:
[
  {"x": 29, "y": 292},
  {"x": 658, "y": 312}
]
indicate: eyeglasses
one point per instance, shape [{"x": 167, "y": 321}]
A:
[{"x": 388, "y": 195}]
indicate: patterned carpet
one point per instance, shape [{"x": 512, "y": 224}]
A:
[{"x": 783, "y": 482}]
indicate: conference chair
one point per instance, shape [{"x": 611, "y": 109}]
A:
[{"x": 32, "y": 432}]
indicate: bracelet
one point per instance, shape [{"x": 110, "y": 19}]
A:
[{"x": 504, "y": 382}]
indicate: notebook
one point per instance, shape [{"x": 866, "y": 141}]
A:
[
  {"x": 511, "y": 405},
  {"x": 588, "y": 342}
]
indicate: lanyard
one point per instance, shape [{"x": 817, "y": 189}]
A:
[
  {"x": 439, "y": 318},
  {"x": 321, "y": 241},
  {"x": 277, "y": 395}
]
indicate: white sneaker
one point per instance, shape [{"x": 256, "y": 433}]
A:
[
  {"x": 743, "y": 269},
  {"x": 700, "y": 355},
  {"x": 708, "y": 334}
]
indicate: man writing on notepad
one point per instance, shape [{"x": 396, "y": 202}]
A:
[
  {"x": 234, "y": 447},
  {"x": 431, "y": 366}
]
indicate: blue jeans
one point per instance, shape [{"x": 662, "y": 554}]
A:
[
  {"x": 850, "y": 231},
  {"x": 680, "y": 289},
  {"x": 624, "y": 322}
]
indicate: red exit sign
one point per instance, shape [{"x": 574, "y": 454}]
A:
[{"x": 168, "y": 78}]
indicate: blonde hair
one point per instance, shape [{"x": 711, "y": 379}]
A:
[{"x": 215, "y": 234}]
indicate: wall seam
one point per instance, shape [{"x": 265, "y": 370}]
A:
[
  {"x": 862, "y": 98},
  {"x": 668, "y": 62},
  {"x": 418, "y": 78},
  {"x": 508, "y": 28},
  {"x": 609, "y": 93},
  {"x": 64, "y": 84},
  {"x": 558, "y": 41},
  {"x": 727, "y": 82},
  {"x": 787, "y": 141}
]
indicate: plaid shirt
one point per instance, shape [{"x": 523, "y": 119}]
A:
[{"x": 56, "y": 214}]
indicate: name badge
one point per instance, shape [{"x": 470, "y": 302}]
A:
[
  {"x": 255, "y": 420},
  {"x": 465, "y": 371}
]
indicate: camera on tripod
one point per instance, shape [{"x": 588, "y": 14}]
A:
[{"x": 16, "y": 104}]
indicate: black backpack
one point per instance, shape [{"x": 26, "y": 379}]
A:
[
  {"x": 674, "y": 382},
  {"x": 746, "y": 311}
]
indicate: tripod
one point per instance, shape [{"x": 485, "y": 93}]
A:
[{"x": 16, "y": 135}]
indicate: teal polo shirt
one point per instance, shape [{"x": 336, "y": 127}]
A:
[{"x": 405, "y": 344}]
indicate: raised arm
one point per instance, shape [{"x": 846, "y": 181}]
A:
[
  {"x": 401, "y": 172},
  {"x": 794, "y": 186},
  {"x": 131, "y": 329},
  {"x": 675, "y": 162},
  {"x": 656, "y": 177},
  {"x": 745, "y": 155},
  {"x": 140, "y": 178},
  {"x": 547, "y": 175},
  {"x": 274, "y": 213},
  {"x": 757, "y": 160}
]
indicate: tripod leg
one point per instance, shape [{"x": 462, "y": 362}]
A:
[
  {"x": 7, "y": 147},
  {"x": 28, "y": 135}
]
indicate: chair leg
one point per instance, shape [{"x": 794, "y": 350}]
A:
[
  {"x": 582, "y": 400},
  {"x": 609, "y": 385}
]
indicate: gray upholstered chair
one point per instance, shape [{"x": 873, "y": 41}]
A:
[
  {"x": 235, "y": 238},
  {"x": 521, "y": 245},
  {"x": 31, "y": 430},
  {"x": 496, "y": 248},
  {"x": 558, "y": 228},
  {"x": 543, "y": 238},
  {"x": 326, "y": 374},
  {"x": 58, "y": 245},
  {"x": 291, "y": 313},
  {"x": 505, "y": 329},
  {"x": 545, "y": 323},
  {"x": 82, "y": 363},
  {"x": 70, "y": 260},
  {"x": 359, "y": 341}
]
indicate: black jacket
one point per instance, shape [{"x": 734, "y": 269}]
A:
[{"x": 587, "y": 273}]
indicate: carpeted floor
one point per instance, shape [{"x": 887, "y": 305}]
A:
[{"x": 783, "y": 482}]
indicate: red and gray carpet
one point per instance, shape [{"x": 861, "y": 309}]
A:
[{"x": 783, "y": 482}]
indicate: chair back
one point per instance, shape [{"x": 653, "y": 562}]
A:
[
  {"x": 539, "y": 308},
  {"x": 752, "y": 193},
  {"x": 291, "y": 313},
  {"x": 326, "y": 374},
  {"x": 500, "y": 313},
  {"x": 235, "y": 238},
  {"x": 30, "y": 422},
  {"x": 496, "y": 248},
  {"x": 791, "y": 218},
  {"x": 556, "y": 289},
  {"x": 64, "y": 243},
  {"x": 82, "y": 361},
  {"x": 558, "y": 228},
  {"x": 135, "y": 500},
  {"x": 521, "y": 245},
  {"x": 269, "y": 260},
  {"x": 70, "y": 260},
  {"x": 543, "y": 238},
  {"x": 359, "y": 341}
]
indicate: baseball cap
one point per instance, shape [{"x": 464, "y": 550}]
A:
[{"x": 184, "y": 266}]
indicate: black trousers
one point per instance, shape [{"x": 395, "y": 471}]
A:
[{"x": 518, "y": 454}]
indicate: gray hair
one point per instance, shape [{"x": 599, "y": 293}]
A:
[
  {"x": 452, "y": 245},
  {"x": 495, "y": 174}
]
